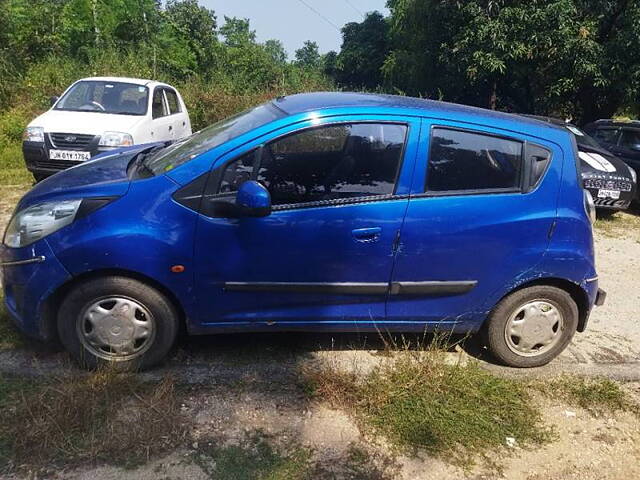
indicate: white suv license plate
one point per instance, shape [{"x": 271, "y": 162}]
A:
[
  {"x": 615, "y": 194},
  {"x": 72, "y": 155}
]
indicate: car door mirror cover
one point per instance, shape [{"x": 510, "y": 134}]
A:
[{"x": 253, "y": 200}]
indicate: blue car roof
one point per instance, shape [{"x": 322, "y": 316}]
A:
[{"x": 306, "y": 102}]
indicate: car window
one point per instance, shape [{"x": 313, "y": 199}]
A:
[
  {"x": 606, "y": 135},
  {"x": 236, "y": 173},
  {"x": 172, "y": 100},
  {"x": 539, "y": 159},
  {"x": 157, "y": 105},
  {"x": 326, "y": 163},
  {"x": 630, "y": 139},
  {"x": 461, "y": 160}
]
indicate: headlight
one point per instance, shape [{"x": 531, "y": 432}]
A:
[
  {"x": 633, "y": 173},
  {"x": 115, "y": 139},
  {"x": 38, "y": 221},
  {"x": 33, "y": 134}
]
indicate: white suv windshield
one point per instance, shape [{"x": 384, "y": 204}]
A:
[{"x": 105, "y": 97}]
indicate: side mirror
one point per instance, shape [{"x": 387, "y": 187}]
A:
[
  {"x": 53, "y": 100},
  {"x": 635, "y": 147},
  {"x": 253, "y": 200}
]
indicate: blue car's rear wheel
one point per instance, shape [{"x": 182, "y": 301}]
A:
[
  {"x": 117, "y": 320},
  {"x": 530, "y": 327}
]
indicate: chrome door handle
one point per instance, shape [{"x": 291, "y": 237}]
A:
[{"x": 367, "y": 235}]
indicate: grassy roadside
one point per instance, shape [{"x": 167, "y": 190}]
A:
[
  {"x": 596, "y": 395},
  {"x": 457, "y": 412},
  {"x": 78, "y": 419}
]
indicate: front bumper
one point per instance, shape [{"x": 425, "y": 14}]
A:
[
  {"x": 36, "y": 156},
  {"x": 626, "y": 189},
  {"x": 30, "y": 276}
]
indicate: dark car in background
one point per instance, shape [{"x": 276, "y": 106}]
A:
[
  {"x": 620, "y": 137},
  {"x": 611, "y": 182}
]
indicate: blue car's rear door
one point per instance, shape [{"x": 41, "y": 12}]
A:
[
  {"x": 481, "y": 211},
  {"x": 339, "y": 188}
]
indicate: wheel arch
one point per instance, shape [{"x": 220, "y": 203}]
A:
[
  {"x": 578, "y": 294},
  {"x": 49, "y": 308}
]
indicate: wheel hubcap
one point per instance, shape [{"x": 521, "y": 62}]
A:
[
  {"x": 116, "y": 328},
  {"x": 534, "y": 328}
]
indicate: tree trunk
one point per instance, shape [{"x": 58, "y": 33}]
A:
[
  {"x": 96, "y": 29},
  {"x": 493, "y": 100}
]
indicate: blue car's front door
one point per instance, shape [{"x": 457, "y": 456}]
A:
[
  {"x": 481, "y": 212},
  {"x": 339, "y": 190}
]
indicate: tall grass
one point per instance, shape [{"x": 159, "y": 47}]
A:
[{"x": 422, "y": 402}]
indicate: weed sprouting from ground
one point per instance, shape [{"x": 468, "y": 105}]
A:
[
  {"x": 421, "y": 402},
  {"x": 102, "y": 417},
  {"x": 597, "y": 395},
  {"x": 255, "y": 458}
]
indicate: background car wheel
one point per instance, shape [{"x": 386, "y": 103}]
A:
[
  {"x": 530, "y": 327},
  {"x": 38, "y": 177},
  {"x": 118, "y": 321}
]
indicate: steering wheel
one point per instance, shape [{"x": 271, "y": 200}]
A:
[{"x": 98, "y": 105}]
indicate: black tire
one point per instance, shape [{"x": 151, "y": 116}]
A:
[
  {"x": 162, "y": 313},
  {"x": 495, "y": 327},
  {"x": 38, "y": 177}
]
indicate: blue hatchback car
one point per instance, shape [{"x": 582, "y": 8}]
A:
[{"x": 318, "y": 212}]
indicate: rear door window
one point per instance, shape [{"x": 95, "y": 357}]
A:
[
  {"x": 172, "y": 101},
  {"x": 461, "y": 161},
  {"x": 157, "y": 105}
]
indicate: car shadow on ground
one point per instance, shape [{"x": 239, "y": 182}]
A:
[{"x": 281, "y": 345}]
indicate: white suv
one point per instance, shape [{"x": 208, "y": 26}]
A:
[{"x": 98, "y": 114}]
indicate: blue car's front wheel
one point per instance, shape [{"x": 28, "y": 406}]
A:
[{"x": 117, "y": 320}]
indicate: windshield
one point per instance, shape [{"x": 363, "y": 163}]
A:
[
  {"x": 211, "y": 137},
  {"x": 583, "y": 139},
  {"x": 105, "y": 97}
]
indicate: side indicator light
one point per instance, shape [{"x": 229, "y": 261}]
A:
[{"x": 177, "y": 268}]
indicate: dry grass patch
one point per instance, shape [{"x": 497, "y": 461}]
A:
[
  {"x": 457, "y": 412},
  {"x": 624, "y": 224},
  {"x": 102, "y": 417}
]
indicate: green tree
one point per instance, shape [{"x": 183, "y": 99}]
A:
[
  {"x": 565, "y": 57},
  {"x": 237, "y": 32},
  {"x": 275, "y": 49},
  {"x": 309, "y": 55},
  {"x": 364, "y": 49},
  {"x": 196, "y": 26}
]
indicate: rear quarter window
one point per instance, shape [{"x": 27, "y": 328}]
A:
[{"x": 462, "y": 161}]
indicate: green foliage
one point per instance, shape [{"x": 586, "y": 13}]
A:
[
  {"x": 255, "y": 459},
  {"x": 308, "y": 55},
  {"x": 597, "y": 395},
  {"x": 570, "y": 58},
  {"x": 364, "y": 49}
]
